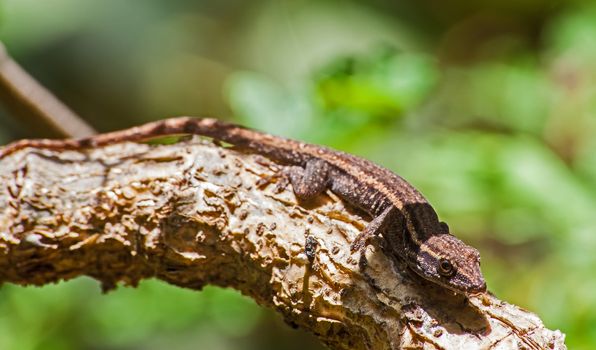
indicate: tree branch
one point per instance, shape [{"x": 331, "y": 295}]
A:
[{"x": 194, "y": 213}]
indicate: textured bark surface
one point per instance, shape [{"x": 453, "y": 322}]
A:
[{"x": 195, "y": 213}]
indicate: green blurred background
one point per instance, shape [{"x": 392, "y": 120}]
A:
[{"x": 489, "y": 108}]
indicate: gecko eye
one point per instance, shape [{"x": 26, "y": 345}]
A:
[{"x": 445, "y": 268}]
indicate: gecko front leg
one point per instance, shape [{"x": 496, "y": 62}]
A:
[
  {"x": 310, "y": 181},
  {"x": 374, "y": 228}
]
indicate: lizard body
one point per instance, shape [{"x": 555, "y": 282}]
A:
[{"x": 401, "y": 215}]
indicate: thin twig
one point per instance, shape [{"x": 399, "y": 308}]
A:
[{"x": 35, "y": 105}]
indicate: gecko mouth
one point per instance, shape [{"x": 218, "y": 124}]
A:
[
  {"x": 471, "y": 290},
  {"x": 478, "y": 290},
  {"x": 451, "y": 284}
]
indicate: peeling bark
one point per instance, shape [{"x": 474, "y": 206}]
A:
[{"x": 195, "y": 213}]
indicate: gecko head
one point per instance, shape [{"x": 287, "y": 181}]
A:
[{"x": 449, "y": 262}]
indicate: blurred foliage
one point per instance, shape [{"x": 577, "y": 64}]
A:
[
  {"x": 382, "y": 86},
  {"x": 488, "y": 108}
]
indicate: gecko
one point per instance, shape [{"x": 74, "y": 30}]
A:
[{"x": 400, "y": 214}]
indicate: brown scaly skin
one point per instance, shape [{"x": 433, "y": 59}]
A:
[{"x": 402, "y": 216}]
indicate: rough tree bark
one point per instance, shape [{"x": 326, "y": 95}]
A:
[{"x": 195, "y": 213}]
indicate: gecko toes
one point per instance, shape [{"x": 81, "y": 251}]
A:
[{"x": 356, "y": 246}]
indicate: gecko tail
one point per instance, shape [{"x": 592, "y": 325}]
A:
[{"x": 275, "y": 147}]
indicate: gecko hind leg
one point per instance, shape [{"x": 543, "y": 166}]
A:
[{"x": 310, "y": 181}]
